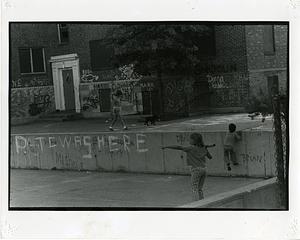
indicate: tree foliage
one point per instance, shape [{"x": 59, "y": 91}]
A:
[{"x": 168, "y": 47}]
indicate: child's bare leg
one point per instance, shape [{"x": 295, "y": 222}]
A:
[
  {"x": 227, "y": 159},
  {"x": 195, "y": 179},
  {"x": 201, "y": 183},
  {"x": 114, "y": 120},
  {"x": 123, "y": 121}
]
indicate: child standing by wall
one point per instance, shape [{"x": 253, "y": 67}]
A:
[
  {"x": 116, "y": 109},
  {"x": 230, "y": 139},
  {"x": 196, "y": 154}
]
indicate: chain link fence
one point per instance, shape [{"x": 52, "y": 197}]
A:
[{"x": 281, "y": 137}]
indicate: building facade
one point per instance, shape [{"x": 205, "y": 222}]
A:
[{"x": 66, "y": 67}]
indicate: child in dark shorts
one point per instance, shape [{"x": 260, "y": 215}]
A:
[
  {"x": 230, "y": 139},
  {"x": 196, "y": 158}
]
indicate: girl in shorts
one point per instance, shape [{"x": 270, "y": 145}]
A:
[
  {"x": 196, "y": 158},
  {"x": 116, "y": 110}
]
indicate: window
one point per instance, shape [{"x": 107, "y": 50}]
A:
[
  {"x": 269, "y": 44},
  {"x": 32, "y": 60},
  {"x": 63, "y": 33},
  {"x": 101, "y": 56}
]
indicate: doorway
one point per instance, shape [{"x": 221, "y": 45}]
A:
[
  {"x": 66, "y": 78},
  {"x": 68, "y": 83}
]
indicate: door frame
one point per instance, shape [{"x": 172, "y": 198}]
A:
[{"x": 58, "y": 64}]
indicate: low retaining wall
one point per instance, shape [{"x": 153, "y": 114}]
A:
[
  {"x": 261, "y": 195},
  {"x": 139, "y": 152}
]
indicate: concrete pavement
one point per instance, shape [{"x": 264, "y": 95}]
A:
[
  {"x": 205, "y": 123},
  {"x": 44, "y": 188}
]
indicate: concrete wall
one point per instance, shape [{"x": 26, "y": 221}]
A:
[
  {"x": 138, "y": 152},
  {"x": 261, "y": 195}
]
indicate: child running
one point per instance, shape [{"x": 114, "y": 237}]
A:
[
  {"x": 196, "y": 154},
  {"x": 229, "y": 154},
  {"x": 117, "y": 110}
]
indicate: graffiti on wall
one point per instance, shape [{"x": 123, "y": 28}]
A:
[
  {"x": 123, "y": 78},
  {"x": 216, "y": 81},
  {"x": 90, "y": 101},
  {"x": 175, "y": 96},
  {"x": 41, "y": 102},
  {"x": 85, "y": 144},
  {"x": 228, "y": 90},
  {"x": 26, "y": 102},
  {"x": 127, "y": 72},
  {"x": 252, "y": 158},
  {"x": 122, "y": 73},
  {"x": 127, "y": 88},
  {"x": 29, "y": 81},
  {"x": 182, "y": 138},
  {"x": 64, "y": 160},
  {"x": 88, "y": 76}
]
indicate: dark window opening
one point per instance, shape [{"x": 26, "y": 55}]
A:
[
  {"x": 32, "y": 60},
  {"x": 101, "y": 56},
  {"x": 63, "y": 33},
  {"x": 269, "y": 41}
]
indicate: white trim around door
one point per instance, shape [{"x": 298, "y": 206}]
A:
[{"x": 60, "y": 63}]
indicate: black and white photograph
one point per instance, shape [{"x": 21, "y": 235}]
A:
[
  {"x": 189, "y": 115},
  {"x": 150, "y": 119}
]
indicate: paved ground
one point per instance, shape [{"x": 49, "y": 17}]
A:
[
  {"x": 217, "y": 122},
  {"x": 43, "y": 188}
]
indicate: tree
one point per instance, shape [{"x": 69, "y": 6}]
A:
[
  {"x": 151, "y": 46},
  {"x": 157, "y": 49}
]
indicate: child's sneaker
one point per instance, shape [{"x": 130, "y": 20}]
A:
[
  {"x": 228, "y": 167},
  {"x": 111, "y": 129},
  {"x": 125, "y": 128}
]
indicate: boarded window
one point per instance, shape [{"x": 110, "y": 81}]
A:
[
  {"x": 63, "y": 33},
  {"x": 269, "y": 44},
  {"x": 101, "y": 56},
  {"x": 32, "y": 60}
]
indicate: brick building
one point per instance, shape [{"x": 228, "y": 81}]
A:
[{"x": 66, "y": 67}]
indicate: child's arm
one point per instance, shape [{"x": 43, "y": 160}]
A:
[{"x": 175, "y": 147}]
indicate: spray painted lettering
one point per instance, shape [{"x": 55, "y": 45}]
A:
[
  {"x": 88, "y": 76},
  {"x": 216, "y": 81},
  {"x": 113, "y": 143},
  {"x": 41, "y": 103},
  {"x": 252, "y": 158}
]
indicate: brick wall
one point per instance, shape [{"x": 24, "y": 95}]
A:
[
  {"x": 46, "y": 35},
  {"x": 255, "y": 48},
  {"x": 258, "y": 82},
  {"x": 228, "y": 68},
  {"x": 260, "y": 65}
]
